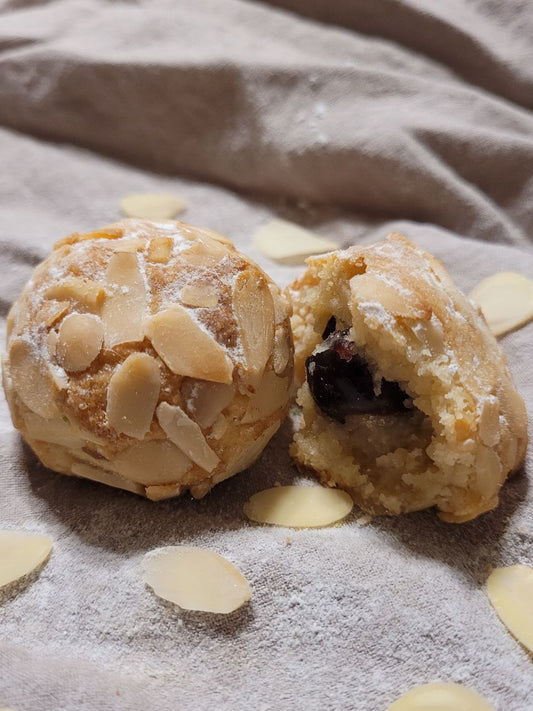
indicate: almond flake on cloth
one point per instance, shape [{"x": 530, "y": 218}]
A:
[
  {"x": 510, "y": 592},
  {"x": 441, "y": 697},
  {"x": 152, "y": 206},
  {"x": 506, "y": 300},
  {"x": 21, "y": 553},
  {"x": 289, "y": 243},
  {"x": 195, "y": 579},
  {"x": 299, "y": 506}
]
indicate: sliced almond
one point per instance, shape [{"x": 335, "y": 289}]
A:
[
  {"x": 205, "y": 401},
  {"x": 152, "y": 206},
  {"x": 186, "y": 435},
  {"x": 55, "y": 431},
  {"x": 282, "y": 306},
  {"x": 290, "y": 243},
  {"x": 195, "y": 579},
  {"x": 79, "y": 341},
  {"x": 199, "y": 295},
  {"x": 198, "y": 491},
  {"x": 299, "y": 506},
  {"x": 32, "y": 379},
  {"x": 160, "y": 250},
  {"x": 506, "y": 300},
  {"x": 111, "y": 232},
  {"x": 21, "y": 553},
  {"x": 158, "y": 492},
  {"x": 18, "y": 317},
  {"x": 370, "y": 288},
  {"x": 132, "y": 395},
  {"x": 510, "y": 592},
  {"x": 129, "y": 245},
  {"x": 205, "y": 252},
  {"x": 125, "y": 308},
  {"x": 219, "y": 428},
  {"x": 51, "y": 311},
  {"x": 85, "y": 292},
  {"x": 489, "y": 423},
  {"x": 102, "y": 476},
  {"x": 153, "y": 462},
  {"x": 186, "y": 348},
  {"x": 272, "y": 394},
  {"x": 282, "y": 350},
  {"x": 246, "y": 453},
  {"x": 440, "y": 696},
  {"x": 254, "y": 310}
]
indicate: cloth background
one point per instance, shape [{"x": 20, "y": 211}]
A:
[{"x": 350, "y": 117}]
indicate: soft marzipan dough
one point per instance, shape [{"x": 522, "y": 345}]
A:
[
  {"x": 510, "y": 592},
  {"x": 195, "y": 579},
  {"x": 299, "y": 506},
  {"x": 441, "y": 697},
  {"x": 408, "y": 402},
  {"x": 21, "y": 553}
]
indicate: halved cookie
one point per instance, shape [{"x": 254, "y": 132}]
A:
[{"x": 407, "y": 399}]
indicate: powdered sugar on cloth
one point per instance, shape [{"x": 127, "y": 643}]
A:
[{"x": 352, "y": 121}]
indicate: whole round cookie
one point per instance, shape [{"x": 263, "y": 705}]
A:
[
  {"x": 151, "y": 356},
  {"x": 407, "y": 401}
]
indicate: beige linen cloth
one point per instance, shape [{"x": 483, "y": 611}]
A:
[{"x": 351, "y": 117}]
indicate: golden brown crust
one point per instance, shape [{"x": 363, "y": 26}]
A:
[
  {"x": 127, "y": 361},
  {"x": 414, "y": 327}
]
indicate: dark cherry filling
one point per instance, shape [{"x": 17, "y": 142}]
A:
[{"x": 341, "y": 383}]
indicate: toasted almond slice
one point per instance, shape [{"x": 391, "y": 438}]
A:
[
  {"x": 152, "y": 206},
  {"x": 129, "y": 245},
  {"x": 158, "y": 492},
  {"x": 220, "y": 427},
  {"x": 186, "y": 435},
  {"x": 17, "y": 317},
  {"x": 86, "y": 292},
  {"x": 186, "y": 348},
  {"x": 132, "y": 395},
  {"x": 102, "y": 476},
  {"x": 282, "y": 307},
  {"x": 111, "y": 232},
  {"x": 299, "y": 506},
  {"x": 54, "y": 431},
  {"x": 32, "y": 379},
  {"x": 153, "y": 462},
  {"x": 195, "y": 579},
  {"x": 79, "y": 341},
  {"x": 254, "y": 310},
  {"x": 290, "y": 243},
  {"x": 205, "y": 252},
  {"x": 282, "y": 351},
  {"x": 375, "y": 289},
  {"x": 440, "y": 696},
  {"x": 510, "y": 592},
  {"x": 201, "y": 295},
  {"x": 21, "y": 553},
  {"x": 124, "y": 310},
  {"x": 506, "y": 300},
  {"x": 159, "y": 250},
  {"x": 51, "y": 311},
  {"x": 246, "y": 453},
  {"x": 272, "y": 394},
  {"x": 205, "y": 401}
]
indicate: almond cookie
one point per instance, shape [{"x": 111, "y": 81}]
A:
[
  {"x": 150, "y": 356},
  {"x": 407, "y": 400}
]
